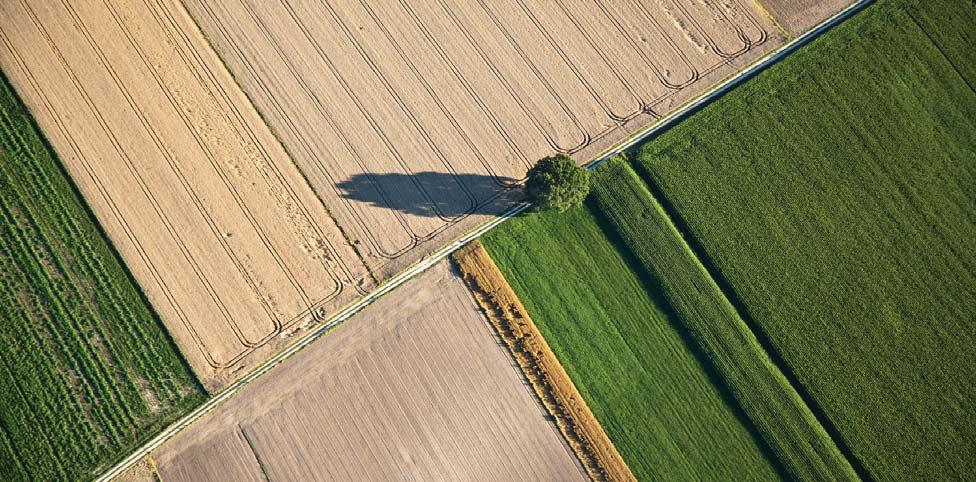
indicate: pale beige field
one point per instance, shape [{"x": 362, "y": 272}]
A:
[
  {"x": 226, "y": 238},
  {"x": 416, "y": 387},
  {"x": 410, "y": 118},
  {"x": 798, "y": 16}
]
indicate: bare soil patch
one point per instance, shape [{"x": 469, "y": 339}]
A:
[
  {"x": 416, "y": 387},
  {"x": 411, "y": 119},
  {"x": 228, "y": 241},
  {"x": 798, "y": 16},
  {"x": 540, "y": 366}
]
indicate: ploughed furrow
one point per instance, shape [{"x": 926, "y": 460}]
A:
[
  {"x": 414, "y": 120},
  {"x": 217, "y": 224}
]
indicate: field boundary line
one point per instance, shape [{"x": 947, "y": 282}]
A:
[
  {"x": 539, "y": 366},
  {"x": 765, "y": 11},
  {"x": 342, "y": 315}
]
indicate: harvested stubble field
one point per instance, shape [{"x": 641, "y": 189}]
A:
[
  {"x": 835, "y": 195},
  {"x": 216, "y": 223},
  {"x": 87, "y": 371},
  {"x": 411, "y": 119},
  {"x": 798, "y": 16},
  {"x": 416, "y": 387}
]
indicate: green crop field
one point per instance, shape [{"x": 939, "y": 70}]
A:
[
  {"x": 780, "y": 416},
  {"x": 623, "y": 349},
  {"x": 834, "y": 199},
  {"x": 87, "y": 371}
]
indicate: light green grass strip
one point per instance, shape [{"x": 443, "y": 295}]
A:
[
  {"x": 643, "y": 379},
  {"x": 771, "y": 403}
]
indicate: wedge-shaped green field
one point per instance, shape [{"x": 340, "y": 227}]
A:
[
  {"x": 87, "y": 371},
  {"x": 624, "y": 349},
  {"x": 834, "y": 198}
]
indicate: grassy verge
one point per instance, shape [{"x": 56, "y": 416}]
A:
[
  {"x": 617, "y": 339},
  {"x": 87, "y": 371},
  {"x": 834, "y": 198}
]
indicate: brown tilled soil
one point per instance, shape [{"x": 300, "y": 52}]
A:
[
  {"x": 540, "y": 366},
  {"x": 798, "y": 16},
  {"x": 410, "y": 117},
  {"x": 416, "y": 387},
  {"x": 228, "y": 241}
]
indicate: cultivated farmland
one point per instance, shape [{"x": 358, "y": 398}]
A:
[
  {"x": 218, "y": 226},
  {"x": 411, "y": 119},
  {"x": 798, "y": 16},
  {"x": 416, "y": 387},
  {"x": 623, "y": 347},
  {"x": 835, "y": 196},
  {"x": 86, "y": 369},
  {"x": 780, "y": 416}
]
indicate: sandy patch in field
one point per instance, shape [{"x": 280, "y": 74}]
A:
[
  {"x": 411, "y": 117},
  {"x": 414, "y": 388},
  {"x": 798, "y": 16},
  {"x": 230, "y": 244}
]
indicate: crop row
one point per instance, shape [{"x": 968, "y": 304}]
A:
[
  {"x": 667, "y": 414},
  {"x": 777, "y": 411},
  {"x": 88, "y": 370},
  {"x": 835, "y": 196}
]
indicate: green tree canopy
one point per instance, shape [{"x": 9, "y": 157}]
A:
[{"x": 557, "y": 182}]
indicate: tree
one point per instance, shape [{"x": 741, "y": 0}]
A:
[{"x": 557, "y": 182}]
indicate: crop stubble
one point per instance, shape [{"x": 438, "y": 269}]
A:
[
  {"x": 229, "y": 243},
  {"x": 798, "y": 16},
  {"x": 418, "y": 388},
  {"x": 411, "y": 118}
]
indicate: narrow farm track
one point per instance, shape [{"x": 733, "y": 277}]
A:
[{"x": 384, "y": 288}]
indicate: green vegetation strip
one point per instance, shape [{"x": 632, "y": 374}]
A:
[
  {"x": 834, "y": 196},
  {"x": 87, "y": 371},
  {"x": 620, "y": 343},
  {"x": 779, "y": 414}
]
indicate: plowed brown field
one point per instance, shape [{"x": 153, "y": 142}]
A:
[
  {"x": 410, "y": 118},
  {"x": 798, "y": 16},
  {"x": 414, "y": 388},
  {"x": 230, "y": 244}
]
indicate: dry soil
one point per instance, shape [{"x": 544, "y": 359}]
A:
[
  {"x": 416, "y": 387},
  {"x": 798, "y": 16},
  {"x": 228, "y": 241},
  {"x": 411, "y": 117}
]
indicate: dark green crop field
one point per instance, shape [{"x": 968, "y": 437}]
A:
[
  {"x": 620, "y": 344},
  {"x": 86, "y": 369},
  {"x": 780, "y": 416},
  {"x": 834, "y": 199}
]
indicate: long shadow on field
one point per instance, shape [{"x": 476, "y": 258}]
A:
[{"x": 427, "y": 194}]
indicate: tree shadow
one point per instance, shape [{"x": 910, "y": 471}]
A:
[{"x": 428, "y": 194}]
